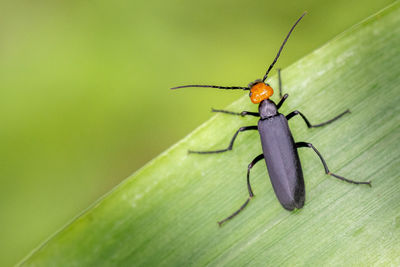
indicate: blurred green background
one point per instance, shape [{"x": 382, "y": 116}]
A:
[{"x": 84, "y": 97}]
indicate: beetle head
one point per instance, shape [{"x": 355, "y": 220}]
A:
[{"x": 260, "y": 91}]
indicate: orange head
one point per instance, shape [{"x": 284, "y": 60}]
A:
[{"x": 260, "y": 91}]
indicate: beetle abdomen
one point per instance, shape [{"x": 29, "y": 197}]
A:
[{"x": 282, "y": 161}]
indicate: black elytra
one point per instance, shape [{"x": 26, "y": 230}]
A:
[{"x": 278, "y": 146}]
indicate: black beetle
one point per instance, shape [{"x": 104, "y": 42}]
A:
[{"x": 279, "y": 148}]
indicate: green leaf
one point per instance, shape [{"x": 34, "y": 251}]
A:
[{"x": 166, "y": 214}]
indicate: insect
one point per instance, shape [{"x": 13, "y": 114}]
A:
[{"x": 278, "y": 146}]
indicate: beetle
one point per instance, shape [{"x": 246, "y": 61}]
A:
[{"x": 278, "y": 146}]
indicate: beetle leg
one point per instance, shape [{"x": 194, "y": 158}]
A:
[
  {"x": 279, "y": 82},
  {"x": 309, "y": 145},
  {"x": 243, "y": 113},
  {"x": 283, "y": 98},
  {"x": 281, "y": 101},
  {"x": 309, "y": 125},
  {"x": 241, "y": 129},
  {"x": 251, "y": 195}
]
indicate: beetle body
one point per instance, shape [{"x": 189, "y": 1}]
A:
[
  {"x": 279, "y": 149},
  {"x": 281, "y": 157}
]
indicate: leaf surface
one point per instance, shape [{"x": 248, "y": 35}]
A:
[{"x": 166, "y": 213}]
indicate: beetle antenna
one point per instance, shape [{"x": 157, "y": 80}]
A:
[
  {"x": 280, "y": 49},
  {"x": 213, "y": 86}
]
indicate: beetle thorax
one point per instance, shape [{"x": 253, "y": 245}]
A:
[{"x": 267, "y": 108}]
